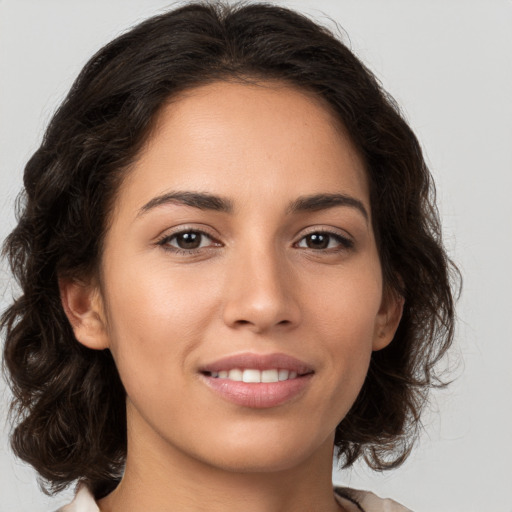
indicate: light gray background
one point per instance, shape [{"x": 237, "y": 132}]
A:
[{"x": 449, "y": 65}]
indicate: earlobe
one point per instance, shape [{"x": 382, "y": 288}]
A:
[
  {"x": 388, "y": 319},
  {"x": 83, "y": 306}
]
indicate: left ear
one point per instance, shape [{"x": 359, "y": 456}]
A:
[{"x": 388, "y": 318}]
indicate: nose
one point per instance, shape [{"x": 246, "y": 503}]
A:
[{"x": 261, "y": 293}]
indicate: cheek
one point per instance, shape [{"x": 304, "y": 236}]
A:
[
  {"x": 155, "y": 321},
  {"x": 345, "y": 314},
  {"x": 349, "y": 302},
  {"x": 155, "y": 297}
]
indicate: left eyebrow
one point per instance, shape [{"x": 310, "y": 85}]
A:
[
  {"x": 205, "y": 201},
  {"x": 316, "y": 202}
]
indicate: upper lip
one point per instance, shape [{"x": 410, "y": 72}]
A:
[{"x": 258, "y": 362}]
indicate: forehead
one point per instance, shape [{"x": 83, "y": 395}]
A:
[
  {"x": 241, "y": 139},
  {"x": 234, "y": 99}
]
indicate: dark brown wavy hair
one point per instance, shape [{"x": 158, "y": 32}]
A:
[{"x": 69, "y": 402}]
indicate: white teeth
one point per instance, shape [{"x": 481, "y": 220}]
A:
[
  {"x": 269, "y": 376},
  {"x": 235, "y": 374},
  {"x": 283, "y": 374},
  {"x": 252, "y": 375}
]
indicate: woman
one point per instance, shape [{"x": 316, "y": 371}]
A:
[{"x": 231, "y": 265}]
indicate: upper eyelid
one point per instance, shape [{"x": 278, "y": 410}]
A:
[
  {"x": 328, "y": 230},
  {"x": 187, "y": 229},
  {"x": 310, "y": 229}
]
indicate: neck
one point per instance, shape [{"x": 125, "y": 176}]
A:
[{"x": 161, "y": 477}]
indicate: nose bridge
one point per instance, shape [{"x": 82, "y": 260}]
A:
[{"x": 260, "y": 289}]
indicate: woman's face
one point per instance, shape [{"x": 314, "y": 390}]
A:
[{"x": 241, "y": 248}]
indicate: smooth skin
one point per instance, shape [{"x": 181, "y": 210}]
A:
[{"x": 262, "y": 279}]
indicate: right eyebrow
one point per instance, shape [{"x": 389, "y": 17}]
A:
[{"x": 201, "y": 200}]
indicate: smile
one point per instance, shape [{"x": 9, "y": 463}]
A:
[
  {"x": 254, "y": 375},
  {"x": 258, "y": 380}
]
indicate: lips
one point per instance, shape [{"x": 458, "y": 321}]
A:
[{"x": 257, "y": 381}]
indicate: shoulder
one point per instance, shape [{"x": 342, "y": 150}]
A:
[
  {"x": 365, "y": 501},
  {"x": 83, "y": 502}
]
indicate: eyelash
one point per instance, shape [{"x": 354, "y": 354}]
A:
[{"x": 345, "y": 243}]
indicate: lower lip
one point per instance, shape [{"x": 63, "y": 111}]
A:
[{"x": 258, "y": 395}]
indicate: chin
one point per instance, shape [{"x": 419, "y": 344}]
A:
[
  {"x": 249, "y": 463},
  {"x": 264, "y": 455}
]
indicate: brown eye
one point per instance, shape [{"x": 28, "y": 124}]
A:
[
  {"x": 321, "y": 240},
  {"x": 317, "y": 241},
  {"x": 187, "y": 241}
]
